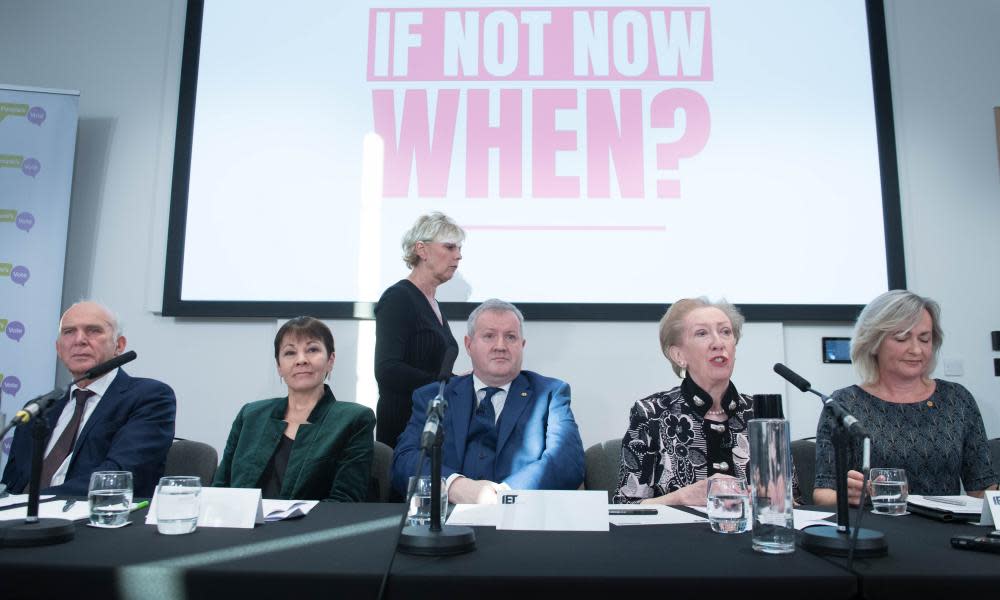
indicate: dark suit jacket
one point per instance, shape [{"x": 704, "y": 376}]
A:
[
  {"x": 538, "y": 443},
  {"x": 130, "y": 430},
  {"x": 331, "y": 458}
]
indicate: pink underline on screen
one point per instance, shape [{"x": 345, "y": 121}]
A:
[{"x": 565, "y": 227}]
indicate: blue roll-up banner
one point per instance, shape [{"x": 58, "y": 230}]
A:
[{"x": 37, "y": 145}]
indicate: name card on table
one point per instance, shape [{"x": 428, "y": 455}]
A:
[
  {"x": 991, "y": 510},
  {"x": 554, "y": 510},
  {"x": 239, "y": 508}
]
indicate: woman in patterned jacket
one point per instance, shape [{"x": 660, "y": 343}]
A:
[{"x": 680, "y": 438}]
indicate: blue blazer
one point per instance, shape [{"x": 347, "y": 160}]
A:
[
  {"x": 538, "y": 443},
  {"x": 130, "y": 430}
]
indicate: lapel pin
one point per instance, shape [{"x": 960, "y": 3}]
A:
[{"x": 524, "y": 394}]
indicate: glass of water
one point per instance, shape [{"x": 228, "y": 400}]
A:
[
  {"x": 420, "y": 503},
  {"x": 110, "y": 498},
  {"x": 728, "y": 505},
  {"x": 889, "y": 491},
  {"x": 771, "y": 485},
  {"x": 177, "y": 504}
]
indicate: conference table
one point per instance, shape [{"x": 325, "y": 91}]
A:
[{"x": 341, "y": 551}]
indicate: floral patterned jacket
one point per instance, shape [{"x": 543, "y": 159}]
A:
[{"x": 670, "y": 445}]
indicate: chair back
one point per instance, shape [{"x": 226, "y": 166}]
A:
[
  {"x": 188, "y": 457},
  {"x": 603, "y": 462},
  {"x": 804, "y": 459},
  {"x": 995, "y": 456},
  {"x": 381, "y": 477}
]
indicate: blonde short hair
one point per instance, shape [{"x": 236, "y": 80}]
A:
[
  {"x": 672, "y": 323},
  {"x": 894, "y": 312},
  {"x": 433, "y": 227}
]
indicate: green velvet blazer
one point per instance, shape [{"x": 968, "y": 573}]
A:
[{"x": 331, "y": 457}]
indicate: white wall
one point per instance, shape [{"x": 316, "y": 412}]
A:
[{"x": 124, "y": 56}]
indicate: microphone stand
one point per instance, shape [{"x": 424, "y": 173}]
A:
[
  {"x": 839, "y": 540},
  {"x": 35, "y": 531},
  {"x": 436, "y": 539}
]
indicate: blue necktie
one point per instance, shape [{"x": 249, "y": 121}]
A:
[{"x": 485, "y": 410}]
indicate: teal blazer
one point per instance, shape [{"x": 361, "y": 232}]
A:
[{"x": 331, "y": 458}]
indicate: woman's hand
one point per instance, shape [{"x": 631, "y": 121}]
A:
[
  {"x": 854, "y": 481},
  {"x": 695, "y": 494}
]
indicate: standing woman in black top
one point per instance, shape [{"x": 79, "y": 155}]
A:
[{"x": 411, "y": 333}]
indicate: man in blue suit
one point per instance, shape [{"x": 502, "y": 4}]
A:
[
  {"x": 504, "y": 428},
  {"x": 113, "y": 423}
]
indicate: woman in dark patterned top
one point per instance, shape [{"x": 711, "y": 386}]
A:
[
  {"x": 930, "y": 427},
  {"x": 678, "y": 439},
  {"x": 411, "y": 333}
]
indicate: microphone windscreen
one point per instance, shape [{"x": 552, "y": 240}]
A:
[
  {"x": 450, "y": 354},
  {"x": 110, "y": 365},
  {"x": 792, "y": 377}
]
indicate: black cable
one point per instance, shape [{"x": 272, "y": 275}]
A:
[{"x": 410, "y": 488}]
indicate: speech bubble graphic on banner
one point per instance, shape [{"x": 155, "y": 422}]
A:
[
  {"x": 31, "y": 167},
  {"x": 11, "y": 385},
  {"x": 11, "y": 161},
  {"x": 6, "y": 444},
  {"x": 37, "y": 115},
  {"x": 12, "y": 109},
  {"x": 15, "y": 330},
  {"x": 7, "y": 215},
  {"x": 20, "y": 275},
  {"x": 25, "y": 221}
]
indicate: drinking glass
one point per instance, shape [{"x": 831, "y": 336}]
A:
[
  {"x": 771, "y": 483},
  {"x": 728, "y": 505},
  {"x": 177, "y": 504},
  {"x": 110, "y": 498},
  {"x": 420, "y": 503},
  {"x": 889, "y": 490}
]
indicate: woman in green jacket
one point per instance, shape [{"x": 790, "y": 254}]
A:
[{"x": 307, "y": 445}]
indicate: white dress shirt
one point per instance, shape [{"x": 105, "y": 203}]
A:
[{"x": 99, "y": 387}]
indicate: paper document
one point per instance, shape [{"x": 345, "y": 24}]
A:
[
  {"x": 805, "y": 518},
  {"x": 953, "y": 504},
  {"x": 802, "y": 518},
  {"x": 20, "y": 499},
  {"x": 50, "y": 510},
  {"x": 554, "y": 510},
  {"x": 279, "y": 510},
  {"x": 665, "y": 515}
]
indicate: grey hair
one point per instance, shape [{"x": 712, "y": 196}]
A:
[
  {"x": 892, "y": 313},
  {"x": 672, "y": 323},
  {"x": 433, "y": 227},
  {"x": 116, "y": 324},
  {"x": 495, "y": 305}
]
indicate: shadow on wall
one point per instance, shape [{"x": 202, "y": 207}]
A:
[{"x": 90, "y": 172}]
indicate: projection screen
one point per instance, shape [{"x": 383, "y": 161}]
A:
[{"x": 604, "y": 159}]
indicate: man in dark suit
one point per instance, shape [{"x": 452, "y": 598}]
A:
[
  {"x": 113, "y": 423},
  {"x": 504, "y": 428}
]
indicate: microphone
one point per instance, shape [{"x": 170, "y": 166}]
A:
[
  {"x": 846, "y": 420},
  {"x": 39, "y": 404},
  {"x": 106, "y": 366},
  {"x": 792, "y": 377},
  {"x": 438, "y": 405}
]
